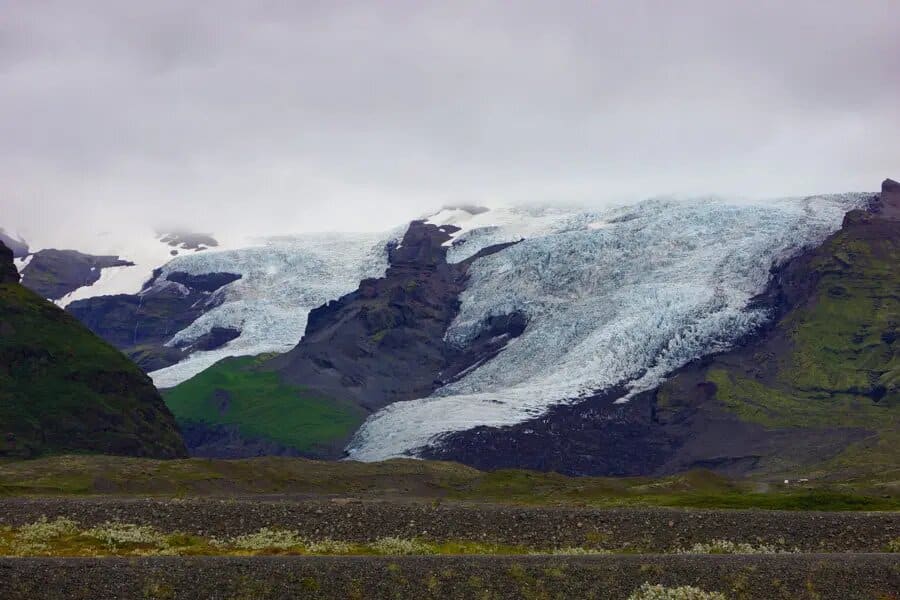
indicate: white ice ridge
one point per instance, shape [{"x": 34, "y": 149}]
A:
[
  {"x": 281, "y": 282},
  {"x": 625, "y": 295}
]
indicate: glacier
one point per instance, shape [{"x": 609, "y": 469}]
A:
[
  {"x": 621, "y": 296},
  {"x": 281, "y": 281}
]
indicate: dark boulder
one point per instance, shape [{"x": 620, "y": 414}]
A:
[{"x": 8, "y": 271}]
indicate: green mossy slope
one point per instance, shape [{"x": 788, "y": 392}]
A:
[
  {"x": 62, "y": 389},
  {"x": 236, "y": 393},
  {"x": 833, "y": 360}
]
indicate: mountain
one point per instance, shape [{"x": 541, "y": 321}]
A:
[
  {"x": 816, "y": 389},
  {"x": 64, "y": 390},
  {"x": 377, "y": 345},
  {"x": 493, "y": 318},
  {"x": 541, "y": 337}
]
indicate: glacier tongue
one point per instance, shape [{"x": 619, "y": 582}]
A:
[
  {"x": 622, "y": 296},
  {"x": 281, "y": 282}
]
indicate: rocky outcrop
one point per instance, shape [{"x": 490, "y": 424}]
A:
[
  {"x": 385, "y": 342},
  {"x": 188, "y": 240},
  {"x": 63, "y": 390},
  {"x": 54, "y": 273},
  {"x": 18, "y": 247},
  {"x": 816, "y": 390},
  {"x": 141, "y": 324},
  {"x": 8, "y": 271},
  {"x": 226, "y": 441}
]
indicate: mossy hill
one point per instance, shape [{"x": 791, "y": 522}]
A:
[
  {"x": 62, "y": 389},
  {"x": 239, "y": 408},
  {"x": 832, "y": 360}
]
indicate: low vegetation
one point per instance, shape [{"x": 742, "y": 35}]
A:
[
  {"x": 86, "y": 475},
  {"x": 63, "y": 536},
  {"x": 687, "y": 592},
  {"x": 234, "y": 392},
  {"x": 729, "y": 547}
]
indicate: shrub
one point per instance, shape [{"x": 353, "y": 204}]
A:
[
  {"x": 893, "y": 545},
  {"x": 400, "y": 546},
  {"x": 113, "y": 535},
  {"x": 266, "y": 539},
  {"x": 329, "y": 547},
  {"x": 729, "y": 547},
  {"x": 44, "y": 530},
  {"x": 576, "y": 551},
  {"x": 659, "y": 592}
]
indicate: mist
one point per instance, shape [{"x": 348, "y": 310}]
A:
[{"x": 271, "y": 118}]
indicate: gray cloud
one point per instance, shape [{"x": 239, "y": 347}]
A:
[{"x": 279, "y": 117}]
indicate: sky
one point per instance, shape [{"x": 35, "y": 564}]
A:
[{"x": 279, "y": 117}]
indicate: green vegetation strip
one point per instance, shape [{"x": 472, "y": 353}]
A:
[
  {"x": 87, "y": 475},
  {"x": 235, "y": 392},
  {"x": 65, "y": 537}
]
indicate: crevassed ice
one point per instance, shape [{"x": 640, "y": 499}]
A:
[
  {"x": 622, "y": 296},
  {"x": 281, "y": 282}
]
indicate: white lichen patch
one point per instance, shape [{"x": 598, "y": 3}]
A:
[
  {"x": 400, "y": 546},
  {"x": 729, "y": 547},
  {"x": 686, "y": 592}
]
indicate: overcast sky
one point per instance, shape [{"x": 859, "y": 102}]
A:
[{"x": 297, "y": 116}]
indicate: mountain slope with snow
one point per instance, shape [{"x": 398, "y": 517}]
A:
[
  {"x": 613, "y": 298},
  {"x": 281, "y": 281}
]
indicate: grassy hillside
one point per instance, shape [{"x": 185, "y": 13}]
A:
[
  {"x": 234, "y": 392},
  {"x": 406, "y": 479},
  {"x": 62, "y": 389},
  {"x": 833, "y": 361}
]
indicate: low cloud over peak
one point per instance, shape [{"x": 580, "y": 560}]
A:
[{"x": 269, "y": 117}]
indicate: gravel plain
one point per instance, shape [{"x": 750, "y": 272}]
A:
[{"x": 620, "y": 529}]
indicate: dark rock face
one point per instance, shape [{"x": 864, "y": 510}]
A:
[
  {"x": 8, "y": 271},
  {"x": 797, "y": 392},
  {"x": 215, "y": 338},
  {"x": 140, "y": 324},
  {"x": 384, "y": 342},
  {"x": 55, "y": 273},
  {"x": 207, "y": 282},
  {"x": 64, "y": 390},
  {"x": 19, "y": 247},
  {"x": 597, "y": 437},
  {"x": 225, "y": 441},
  {"x": 188, "y": 240}
]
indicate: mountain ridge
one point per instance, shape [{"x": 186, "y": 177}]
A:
[{"x": 64, "y": 390}]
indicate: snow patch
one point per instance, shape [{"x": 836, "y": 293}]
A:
[{"x": 21, "y": 263}]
